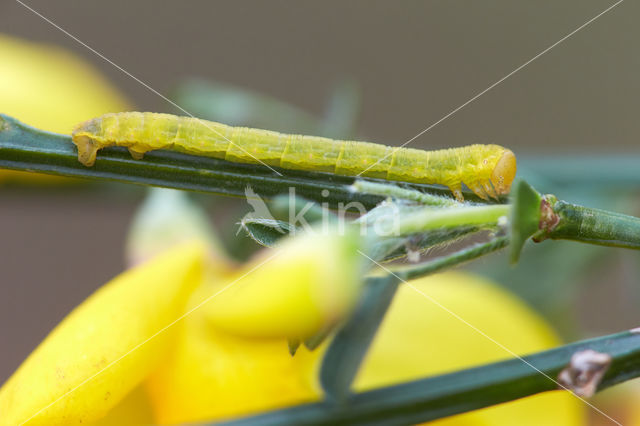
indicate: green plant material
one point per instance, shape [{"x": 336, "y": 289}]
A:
[
  {"x": 294, "y": 344},
  {"x": 385, "y": 224},
  {"x": 385, "y": 216},
  {"x": 577, "y": 223},
  {"x": 316, "y": 340},
  {"x": 454, "y": 393},
  {"x": 421, "y": 242},
  {"x": 454, "y": 259},
  {"x": 288, "y": 207},
  {"x": 430, "y": 218},
  {"x": 381, "y": 248},
  {"x": 525, "y": 216},
  {"x": 395, "y": 191},
  {"x": 350, "y": 344},
  {"x": 237, "y": 106},
  {"x": 26, "y": 148},
  {"x": 266, "y": 232},
  {"x": 283, "y": 208},
  {"x": 348, "y": 348}
]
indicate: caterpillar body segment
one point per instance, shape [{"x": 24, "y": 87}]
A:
[{"x": 487, "y": 170}]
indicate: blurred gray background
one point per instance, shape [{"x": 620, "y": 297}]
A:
[{"x": 412, "y": 61}]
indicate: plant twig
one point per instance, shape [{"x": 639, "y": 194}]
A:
[
  {"x": 26, "y": 148},
  {"x": 395, "y": 191},
  {"x": 594, "y": 226},
  {"x": 454, "y": 259},
  {"x": 441, "y": 396}
]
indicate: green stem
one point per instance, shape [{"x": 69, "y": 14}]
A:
[
  {"x": 25, "y": 148},
  {"x": 349, "y": 347},
  {"x": 593, "y": 226},
  {"x": 457, "y": 258},
  {"x": 422, "y": 242},
  {"x": 429, "y": 219},
  {"x": 394, "y": 191},
  {"x": 445, "y": 395}
]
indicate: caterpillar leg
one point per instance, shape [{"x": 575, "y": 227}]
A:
[
  {"x": 136, "y": 153},
  {"x": 488, "y": 188},
  {"x": 457, "y": 192},
  {"x": 479, "y": 190}
]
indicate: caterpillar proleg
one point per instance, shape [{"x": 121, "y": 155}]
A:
[{"x": 487, "y": 170}]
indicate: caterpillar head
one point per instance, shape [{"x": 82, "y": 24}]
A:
[
  {"x": 82, "y": 137},
  {"x": 504, "y": 172}
]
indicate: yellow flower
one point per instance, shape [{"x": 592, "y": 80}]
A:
[
  {"x": 233, "y": 355},
  {"x": 305, "y": 285},
  {"x": 419, "y": 338},
  {"x": 132, "y": 332},
  {"x": 620, "y": 402},
  {"x": 51, "y": 88},
  {"x": 187, "y": 336},
  {"x": 55, "y": 384}
]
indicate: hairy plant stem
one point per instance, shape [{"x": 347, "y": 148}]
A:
[
  {"x": 394, "y": 191},
  {"x": 429, "y": 219},
  {"x": 454, "y": 259}
]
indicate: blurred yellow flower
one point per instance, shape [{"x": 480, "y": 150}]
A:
[
  {"x": 196, "y": 371},
  {"x": 116, "y": 339},
  {"x": 55, "y": 384},
  {"x": 187, "y": 336},
  {"x": 51, "y": 88},
  {"x": 418, "y": 338}
]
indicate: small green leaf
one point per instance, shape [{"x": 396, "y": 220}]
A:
[
  {"x": 525, "y": 216},
  {"x": 294, "y": 344},
  {"x": 266, "y": 232}
]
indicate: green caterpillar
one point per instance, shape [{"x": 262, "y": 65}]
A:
[{"x": 487, "y": 170}]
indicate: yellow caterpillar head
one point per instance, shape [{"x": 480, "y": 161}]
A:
[
  {"x": 504, "y": 172},
  {"x": 83, "y": 136}
]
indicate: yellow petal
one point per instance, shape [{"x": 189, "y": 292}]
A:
[
  {"x": 418, "y": 338},
  {"x": 101, "y": 351},
  {"x": 295, "y": 290},
  {"x": 212, "y": 375},
  {"x": 49, "y": 87},
  {"x": 135, "y": 409},
  {"x": 232, "y": 357}
]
